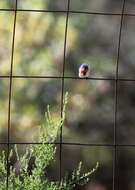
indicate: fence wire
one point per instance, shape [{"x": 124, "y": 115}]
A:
[{"x": 116, "y": 79}]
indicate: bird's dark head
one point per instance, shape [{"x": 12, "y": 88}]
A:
[{"x": 85, "y": 66}]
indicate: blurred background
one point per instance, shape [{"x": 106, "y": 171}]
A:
[{"x": 39, "y": 48}]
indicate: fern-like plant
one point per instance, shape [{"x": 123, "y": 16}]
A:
[{"x": 19, "y": 177}]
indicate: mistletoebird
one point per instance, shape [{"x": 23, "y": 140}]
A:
[{"x": 84, "y": 71}]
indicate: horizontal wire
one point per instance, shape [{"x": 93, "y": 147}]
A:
[
  {"x": 69, "y": 143},
  {"x": 65, "y": 11},
  {"x": 60, "y": 77}
]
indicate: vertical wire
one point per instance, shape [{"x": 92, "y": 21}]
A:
[
  {"x": 10, "y": 91},
  {"x": 116, "y": 96},
  {"x": 62, "y": 90}
]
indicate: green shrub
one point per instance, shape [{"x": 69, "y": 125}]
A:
[{"x": 44, "y": 153}]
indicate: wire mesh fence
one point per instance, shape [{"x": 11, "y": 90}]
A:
[{"x": 114, "y": 145}]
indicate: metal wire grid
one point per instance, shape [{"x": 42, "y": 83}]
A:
[{"x": 63, "y": 77}]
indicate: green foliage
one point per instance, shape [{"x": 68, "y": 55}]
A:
[{"x": 43, "y": 154}]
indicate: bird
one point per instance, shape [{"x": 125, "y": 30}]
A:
[{"x": 84, "y": 71}]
